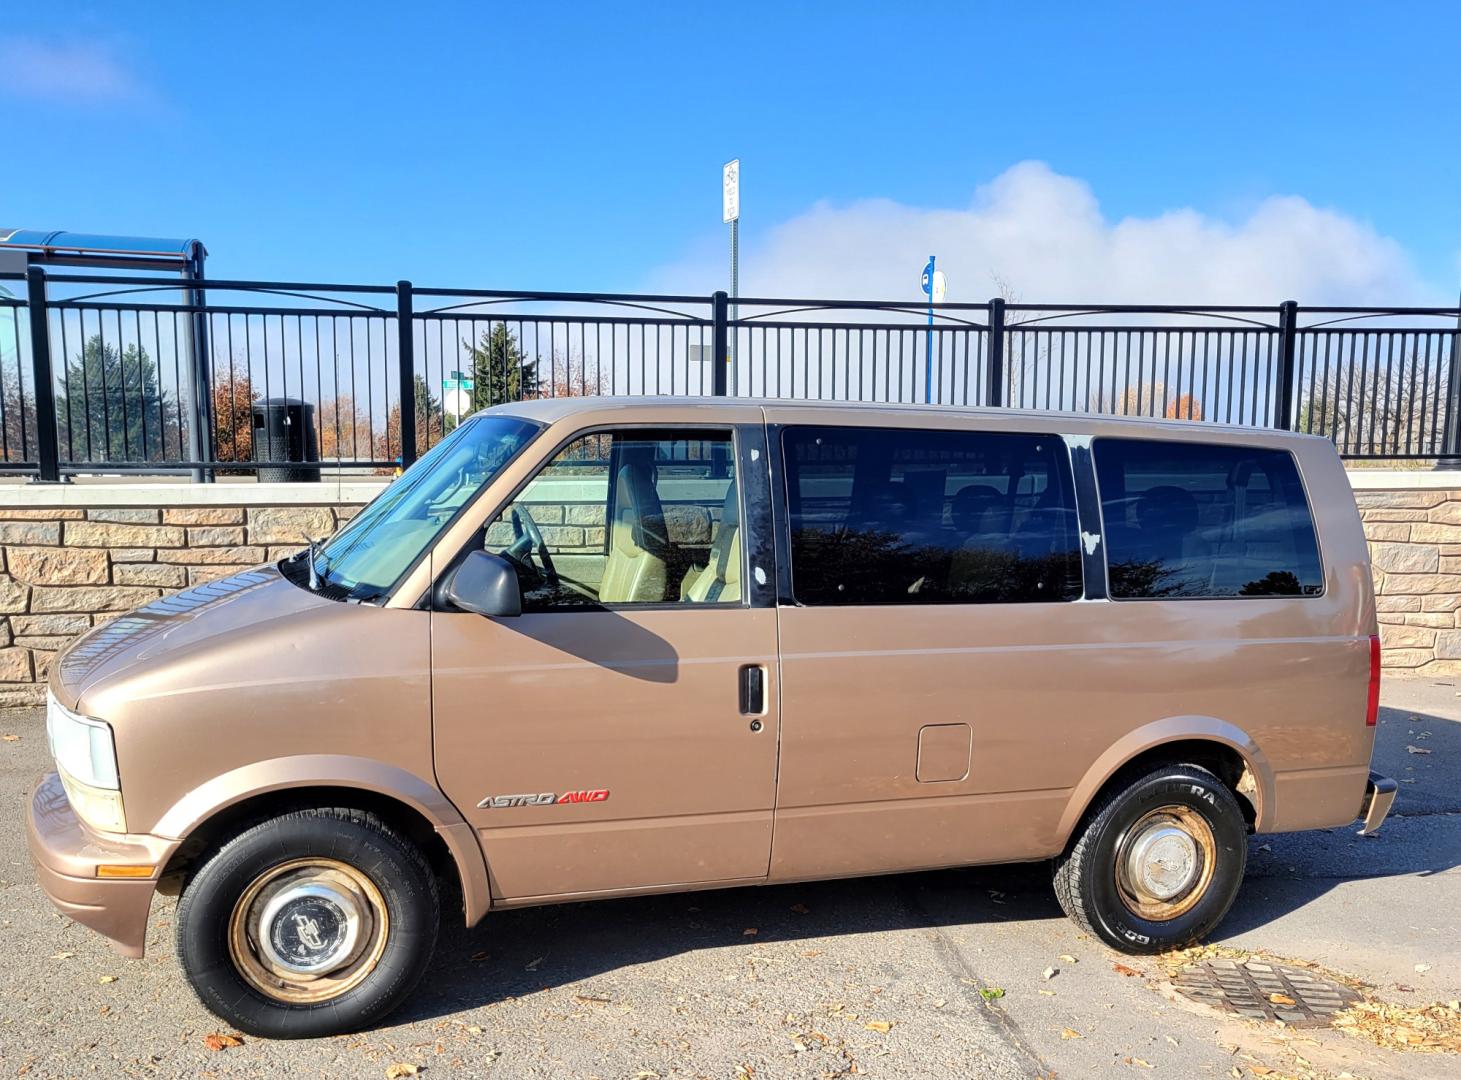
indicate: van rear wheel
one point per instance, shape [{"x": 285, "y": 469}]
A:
[
  {"x": 1157, "y": 861},
  {"x": 313, "y": 923}
]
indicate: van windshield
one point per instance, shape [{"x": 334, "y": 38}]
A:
[{"x": 366, "y": 558}]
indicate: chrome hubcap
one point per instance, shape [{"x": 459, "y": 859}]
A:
[
  {"x": 1165, "y": 863},
  {"x": 308, "y": 930},
  {"x": 1162, "y": 862}
]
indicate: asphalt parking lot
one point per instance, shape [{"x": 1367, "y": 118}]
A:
[{"x": 938, "y": 974}]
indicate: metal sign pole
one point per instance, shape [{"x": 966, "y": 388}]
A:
[{"x": 730, "y": 213}]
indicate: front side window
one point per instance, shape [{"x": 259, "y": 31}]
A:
[
  {"x": 366, "y": 558},
  {"x": 1187, "y": 519},
  {"x": 627, "y": 517},
  {"x": 904, "y": 516}
]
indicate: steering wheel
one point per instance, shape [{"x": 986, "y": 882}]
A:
[{"x": 524, "y": 527}]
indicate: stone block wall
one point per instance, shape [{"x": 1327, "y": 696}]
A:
[
  {"x": 1415, "y": 554},
  {"x": 66, "y": 568}
]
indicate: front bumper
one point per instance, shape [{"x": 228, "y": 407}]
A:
[
  {"x": 67, "y": 854},
  {"x": 1379, "y": 797}
]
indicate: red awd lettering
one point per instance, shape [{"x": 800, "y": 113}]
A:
[{"x": 597, "y": 795}]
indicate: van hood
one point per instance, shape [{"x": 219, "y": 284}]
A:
[{"x": 176, "y": 626}]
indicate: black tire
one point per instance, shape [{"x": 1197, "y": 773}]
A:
[
  {"x": 389, "y": 862},
  {"x": 1086, "y": 877}
]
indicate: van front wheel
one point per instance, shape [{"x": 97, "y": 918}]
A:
[
  {"x": 313, "y": 923},
  {"x": 1157, "y": 861}
]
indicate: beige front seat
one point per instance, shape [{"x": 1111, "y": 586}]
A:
[
  {"x": 638, "y": 542},
  {"x": 719, "y": 581}
]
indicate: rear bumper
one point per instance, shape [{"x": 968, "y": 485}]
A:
[
  {"x": 1379, "y": 797},
  {"x": 66, "y": 856}
]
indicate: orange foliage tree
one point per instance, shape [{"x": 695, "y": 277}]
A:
[
  {"x": 233, "y": 418},
  {"x": 1184, "y": 407}
]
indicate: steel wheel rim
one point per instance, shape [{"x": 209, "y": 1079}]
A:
[
  {"x": 1165, "y": 862},
  {"x": 308, "y": 930}
]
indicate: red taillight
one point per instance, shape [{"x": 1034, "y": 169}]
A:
[{"x": 1372, "y": 710}]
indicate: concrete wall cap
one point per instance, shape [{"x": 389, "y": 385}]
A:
[{"x": 323, "y": 493}]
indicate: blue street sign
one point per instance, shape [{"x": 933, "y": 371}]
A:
[{"x": 928, "y": 346}]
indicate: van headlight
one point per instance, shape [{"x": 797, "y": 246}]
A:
[{"x": 86, "y": 758}]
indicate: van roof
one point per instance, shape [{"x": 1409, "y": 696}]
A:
[{"x": 552, "y": 409}]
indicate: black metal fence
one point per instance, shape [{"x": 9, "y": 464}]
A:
[{"x": 117, "y": 374}]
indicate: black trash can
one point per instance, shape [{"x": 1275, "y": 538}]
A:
[{"x": 284, "y": 430}]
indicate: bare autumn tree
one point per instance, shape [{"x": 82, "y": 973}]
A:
[
  {"x": 570, "y": 376},
  {"x": 1379, "y": 406}
]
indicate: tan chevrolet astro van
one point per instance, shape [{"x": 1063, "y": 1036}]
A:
[{"x": 599, "y": 647}]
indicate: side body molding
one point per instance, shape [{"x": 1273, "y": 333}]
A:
[
  {"x": 1170, "y": 730},
  {"x": 342, "y": 771}
]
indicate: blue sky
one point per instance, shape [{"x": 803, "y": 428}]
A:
[{"x": 579, "y": 147}]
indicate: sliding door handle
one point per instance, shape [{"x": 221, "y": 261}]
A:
[{"x": 753, "y": 690}]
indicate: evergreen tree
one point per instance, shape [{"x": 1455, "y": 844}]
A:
[
  {"x": 501, "y": 371},
  {"x": 112, "y": 407}
]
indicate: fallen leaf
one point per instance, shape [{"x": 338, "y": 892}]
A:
[
  {"x": 1067, "y": 958},
  {"x": 1262, "y": 1070},
  {"x": 1122, "y": 969},
  {"x": 221, "y": 1042},
  {"x": 801, "y": 909},
  {"x": 1070, "y": 1033},
  {"x": 1049, "y": 973},
  {"x": 1281, "y": 999},
  {"x": 1140, "y": 1063},
  {"x": 108, "y": 979},
  {"x": 744, "y": 1072},
  {"x": 478, "y": 957},
  {"x": 400, "y": 1069},
  {"x": 749, "y": 931},
  {"x": 10, "y": 738},
  {"x": 1235, "y": 1071},
  {"x": 1045, "y": 993},
  {"x": 991, "y": 993},
  {"x": 474, "y": 1029},
  {"x": 883, "y": 1026}
]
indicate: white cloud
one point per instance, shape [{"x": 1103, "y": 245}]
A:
[
  {"x": 1045, "y": 235},
  {"x": 71, "y": 72}
]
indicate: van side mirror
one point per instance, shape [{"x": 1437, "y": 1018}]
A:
[{"x": 486, "y": 584}]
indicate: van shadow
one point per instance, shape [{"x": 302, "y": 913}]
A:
[
  {"x": 518, "y": 952},
  {"x": 604, "y": 638},
  {"x": 525, "y": 951}
]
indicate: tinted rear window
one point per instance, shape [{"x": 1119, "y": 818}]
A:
[
  {"x": 902, "y": 516},
  {"x": 1193, "y": 520}
]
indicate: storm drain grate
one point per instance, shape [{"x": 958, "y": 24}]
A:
[{"x": 1260, "y": 991}]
